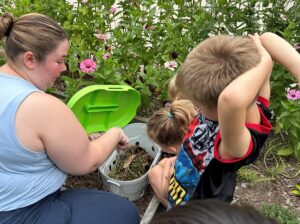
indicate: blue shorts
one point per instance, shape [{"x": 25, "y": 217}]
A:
[{"x": 82, "y": 206}]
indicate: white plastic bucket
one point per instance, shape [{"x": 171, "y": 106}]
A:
[{"x": 133, "y": 189}]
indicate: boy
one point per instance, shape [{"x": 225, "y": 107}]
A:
[{"x": 227, "y": 78}]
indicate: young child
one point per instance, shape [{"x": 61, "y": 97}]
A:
[
  {"x": 167, "y": 127},
  {"x": 211, "y": 211},
  {"x": 227, "y": 78}
]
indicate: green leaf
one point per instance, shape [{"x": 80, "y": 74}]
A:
[
  {"x": 67, "y": 25},
  {"x": 285, "y": 105},
  {"x": 178, "y": 2},
  {"x": 285, "y": 152},
  {"x": 284, "y": 114},
  {"x": 145, "y": 100},
  {"x": 297, "y": 154},
  {"x": 295, "y": 192},
  {"x": 222, "y": 2}
]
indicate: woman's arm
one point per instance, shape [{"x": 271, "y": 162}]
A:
[{"x": 49, "y": 121}]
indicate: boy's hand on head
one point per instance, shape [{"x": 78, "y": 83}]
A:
[{"x": 256, "y": 40}]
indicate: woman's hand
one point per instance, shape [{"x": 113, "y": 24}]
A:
[{"x": 123, "y": 142}]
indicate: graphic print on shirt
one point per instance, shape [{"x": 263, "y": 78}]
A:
[{"x": 194, "y": 156}]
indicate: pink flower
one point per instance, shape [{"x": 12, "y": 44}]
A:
[
  {"x": 106, "y": 56},
  {"x": 84, "y": 1},
  {"x": 171, "y": 65},
  {"x": 113, "y": 10},
  {"x": 88, "y": 66},
  {"x": 102, "y": 36},
  {"x": 293, "y": 94}
]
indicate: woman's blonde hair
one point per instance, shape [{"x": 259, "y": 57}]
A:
[
  {"x": 168, "y": 125},
  {"x": 31, "y": 32}
]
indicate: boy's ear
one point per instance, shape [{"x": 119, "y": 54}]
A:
[{"x": 29, "y": 60}]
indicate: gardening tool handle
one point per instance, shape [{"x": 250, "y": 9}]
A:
[{"x": 112, "y": 182}]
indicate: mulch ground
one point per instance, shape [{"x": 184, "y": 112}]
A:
[{"x": 93, "y": 181}]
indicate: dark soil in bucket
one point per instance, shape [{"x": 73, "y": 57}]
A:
[
  {"x": 134, "y": 158},
  {"x": 132, "y": 163}
]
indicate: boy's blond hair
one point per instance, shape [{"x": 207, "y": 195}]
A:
[
  {"x": 168, "y": 125},
  {"x": 212, "y": 65}
]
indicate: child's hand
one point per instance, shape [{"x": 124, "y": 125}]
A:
[{"x": 256, "y": 40}]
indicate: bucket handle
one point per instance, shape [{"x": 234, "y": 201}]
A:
[
  {"x": 112, "y": 182},
  {"x": 142, "y": 194}
]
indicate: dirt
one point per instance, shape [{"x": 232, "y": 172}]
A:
[
  {"x": 271, "y": 190},
  {"x": 133, "y": 163}
]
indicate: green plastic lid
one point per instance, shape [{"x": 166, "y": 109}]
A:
[{"x": 100, "y": 107}]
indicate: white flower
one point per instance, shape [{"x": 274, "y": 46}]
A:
[
  {"x": 293, "y": 85},
  {"x": 171, "y": 65}
]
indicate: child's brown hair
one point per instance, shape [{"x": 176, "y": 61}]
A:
[
  {"x": 212, "y": 65},
  {"x": 168, "y": 125}
]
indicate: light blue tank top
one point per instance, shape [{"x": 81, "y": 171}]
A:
[{"x": 25, "y": 176}]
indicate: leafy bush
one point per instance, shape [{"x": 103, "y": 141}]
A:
[{"x": 135, "y": 42}]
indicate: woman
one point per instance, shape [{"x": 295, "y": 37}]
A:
[{"x": 41, "y": 141}]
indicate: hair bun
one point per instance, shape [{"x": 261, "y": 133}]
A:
[{"x": 6, "y": 24}]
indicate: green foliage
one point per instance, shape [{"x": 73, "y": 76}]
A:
[
  {"x": 144, "y": 36},
  {"x": 296, "y": 191},
  {"x": 278, "y": 159},
  {"x": 248, "y": 175},
  {"x": 252, "y": 177},
  {"x": 289, "y": 120},
  {"x": 280, "y": 214}
]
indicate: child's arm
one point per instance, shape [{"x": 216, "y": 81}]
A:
[
  {"x": 282, "y": 52},
  {"x": 236, "y": 100}
]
